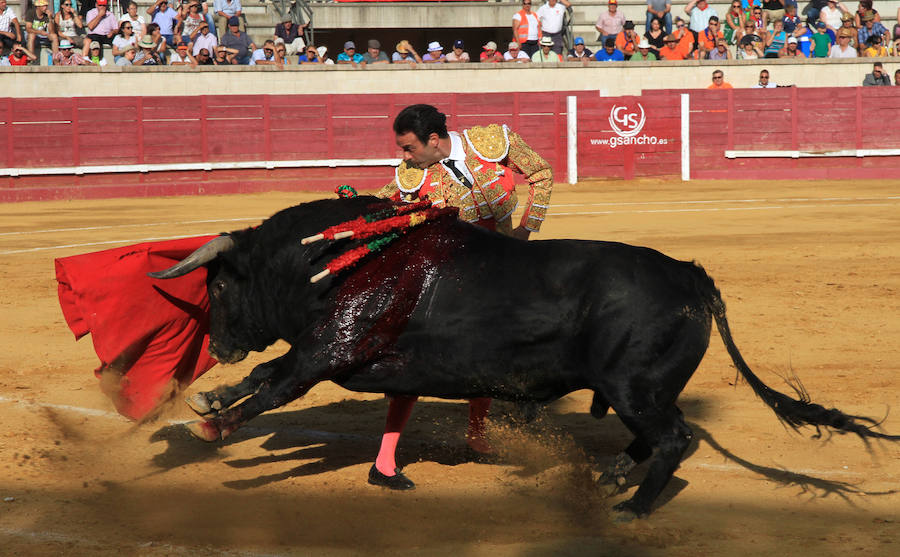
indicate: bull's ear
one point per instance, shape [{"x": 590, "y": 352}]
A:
[{"x": 201, "y": 256}]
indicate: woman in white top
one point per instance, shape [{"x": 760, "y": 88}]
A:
[
  {"x": 191, "y": 19},
  {"x": 139, "y": 26},
  {"x": 123, "y": 38},
  {"x": 748, "y": 51},
  {"x": 69, "y": 24}
]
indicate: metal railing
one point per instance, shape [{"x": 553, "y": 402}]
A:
[{"x": 568, "y": 34}]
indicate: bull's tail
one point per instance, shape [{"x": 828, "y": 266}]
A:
[{"x": 793, "y": 412}]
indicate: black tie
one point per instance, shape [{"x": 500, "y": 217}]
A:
[{"x": 456, "y": 172}]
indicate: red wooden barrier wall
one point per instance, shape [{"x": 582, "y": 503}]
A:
[
  {"x": 810, "y": 120},
  {"x": 229, "y": 128},
  {"x": 618, "y": 137}
]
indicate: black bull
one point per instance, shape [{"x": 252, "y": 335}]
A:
[{"x": 454, "y": 311}]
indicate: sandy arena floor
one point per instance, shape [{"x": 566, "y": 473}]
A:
[{"x": 811, "y": 275}]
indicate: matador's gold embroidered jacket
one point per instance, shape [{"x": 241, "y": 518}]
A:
[{"x": 492, "y": 153}]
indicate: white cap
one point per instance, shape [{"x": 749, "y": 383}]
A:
[
  {"x": 792, "y": 40},
  {"x": 434, "y": 45}
]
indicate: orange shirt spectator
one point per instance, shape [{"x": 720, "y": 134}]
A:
[
  {"x": 706, "y": 39},
  {"x": 627, "y": 40},
  {"x": 672, "y": 50},
  {"x": 684, "y": 35},
  {"x": 718, "y": 81}
]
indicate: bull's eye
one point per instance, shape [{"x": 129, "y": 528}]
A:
[{"x": 218, "y": 287}]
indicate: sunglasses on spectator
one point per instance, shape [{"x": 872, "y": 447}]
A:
[
  {"x": 718, "y": 76},
  {"x": 127, "y": 27}
]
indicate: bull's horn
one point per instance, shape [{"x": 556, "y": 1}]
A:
[{"x": 201, "y": 256}]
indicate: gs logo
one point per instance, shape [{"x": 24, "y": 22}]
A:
[{"x": 624, "y": 123}]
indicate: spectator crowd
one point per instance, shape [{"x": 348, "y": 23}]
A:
[
  {"x": 194, "y": 33},
  {"x": 751, "y": 29}
]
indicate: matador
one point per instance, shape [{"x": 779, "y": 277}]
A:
[{"x": 474, "y": 171}]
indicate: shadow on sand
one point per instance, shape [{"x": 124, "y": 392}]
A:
[{"x": 435, "y": 434}]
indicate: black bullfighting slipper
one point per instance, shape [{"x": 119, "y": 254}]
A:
[{"x": 398, "y": 481}]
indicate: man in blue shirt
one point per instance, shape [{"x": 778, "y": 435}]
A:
[
  {"x": 225, "y": 10},
  {"x": 264, "y": 56},
  {"x": 609, "y": 52},
  {"x": 165, "y": 17},
  {"x": 869, "y": 28},
  {"x": 350, "y": 56}
]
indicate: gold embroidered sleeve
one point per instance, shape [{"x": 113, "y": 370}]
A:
[
  {"x": 388, "y": 190},
  {"x": 537, "y": 171}
]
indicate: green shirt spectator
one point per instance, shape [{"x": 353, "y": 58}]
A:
[{"x": 821, "y": 41}]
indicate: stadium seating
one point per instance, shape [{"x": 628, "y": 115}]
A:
[{"x": 337, "y": 21}]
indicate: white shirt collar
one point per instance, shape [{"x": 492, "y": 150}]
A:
[{"x": 457, "y": 152}]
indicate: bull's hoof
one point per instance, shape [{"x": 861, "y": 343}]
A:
[
  {"x": 398, "y": 481},
  {"x": 204, "y": 430},
  {"x": 199, "y": 403},
  {"x": 610, "y": 489},
  {"x": 625, "y": 512},
  {"x": 617, "y": 473},
  {"x": 612, "y": 479}
]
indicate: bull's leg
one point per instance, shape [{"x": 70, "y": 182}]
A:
[
  {"x": 599, "y": 405},
  {"x": 637, "y": 452},
  {"x": 669, "y": 437},
  {"x": 209, "y": 403},
  {"x": 385, "y": 471},
  {"x": 268, "y": 397},
  {"x": 284, "y": 382}
]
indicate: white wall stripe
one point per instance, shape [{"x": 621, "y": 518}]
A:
[
  {"x": 130, "y": 225},
  {"x": 90, "y": 244}
]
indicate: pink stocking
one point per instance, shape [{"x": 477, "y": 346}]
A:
[
  {"x": 478, "y": 409},
  {"x": 398, "y": 414}
]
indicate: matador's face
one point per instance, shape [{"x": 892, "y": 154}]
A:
[{"x": 418, "y": 154}]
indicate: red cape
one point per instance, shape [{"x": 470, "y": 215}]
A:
[{"x": 151, "y": 334}]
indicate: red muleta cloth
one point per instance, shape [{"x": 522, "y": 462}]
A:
[{"x": 151, "y": 334}]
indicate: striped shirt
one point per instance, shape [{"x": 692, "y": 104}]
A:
[{"x": 6, "y": 19}]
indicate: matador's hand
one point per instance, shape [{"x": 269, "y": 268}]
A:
[{"x": 521, "y": 233}]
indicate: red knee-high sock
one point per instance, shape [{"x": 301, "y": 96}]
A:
[
  {"x": 478, "y": 410},
  {"x": 398, "y": 414}
]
